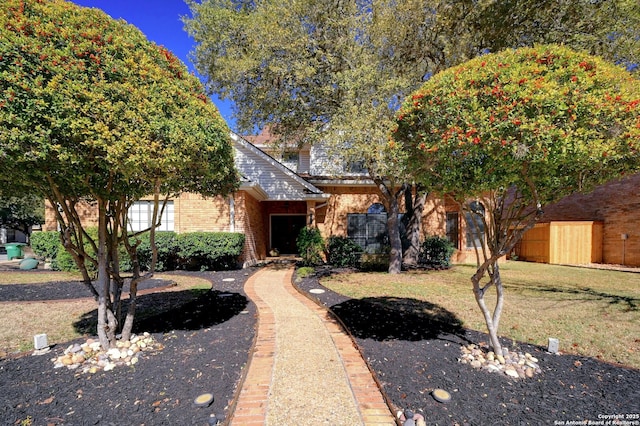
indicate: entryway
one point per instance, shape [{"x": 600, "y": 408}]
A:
[{"x": 284, "y": 232}]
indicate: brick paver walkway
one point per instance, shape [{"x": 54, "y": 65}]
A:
[{"x": 304, "y": 369}]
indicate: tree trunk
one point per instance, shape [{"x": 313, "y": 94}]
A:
[
  {"x": 103, "y": 281},
  {"x": 393, "y": 232},
  {"x": 131, "y": 311},
  {"x": 395, "y": 256},
  {"x": 414, "y": 229},
  {"x": 491, "y": 320}
]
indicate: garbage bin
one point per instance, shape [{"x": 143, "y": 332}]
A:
[{"x": 14, "y": 250}]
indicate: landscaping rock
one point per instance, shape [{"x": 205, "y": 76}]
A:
[
  {"x": 92, "y": 358},
  {"x": 513, "y": 364}
]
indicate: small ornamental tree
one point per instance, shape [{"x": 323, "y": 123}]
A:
[
  {"x": 508, "y": 133},
  {"x": 91, "y": 112}
]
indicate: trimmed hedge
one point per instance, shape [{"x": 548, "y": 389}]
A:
[
  {"x": 310, "y": 245},
  {"x": 47, "y": 245},
  {"x": 167, "y": 246},
  {"x": 374, "y": 262},
  {"x": 192, "y": 251},
  {"x": 209, "y": 250}
]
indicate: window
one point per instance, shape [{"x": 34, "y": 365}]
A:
[
  {"x": 356, "y": 167},
  {"x": 141, "y": 213},
  {"x": 376, "y": 208},
  {"x": 290, "y": 159},
  {"x": 452, "y": 228},
  {"x": 369, "y": 230},
  {"x": 475, "y": 225}
]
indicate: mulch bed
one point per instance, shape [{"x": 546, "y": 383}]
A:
[
  {"x": 412, "y": 346},
  {"x": 413, "y": 352},
  {"x": 206, "y": 346}
]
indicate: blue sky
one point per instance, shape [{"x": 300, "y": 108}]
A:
[{"x": 160, "y": 21}]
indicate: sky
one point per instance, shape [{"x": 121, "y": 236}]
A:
[{"x": 160, "y": 21}]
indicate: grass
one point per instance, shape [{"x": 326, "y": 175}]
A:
[
  {"x": 20, "y": 321},
  {"x": 37, "y": 277},
  {"x": 592, "y": 312}
]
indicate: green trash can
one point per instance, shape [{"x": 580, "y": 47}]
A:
[{"x": 14, "y": 250}]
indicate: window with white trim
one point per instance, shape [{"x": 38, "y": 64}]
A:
[{"x": 141, "y": 214}]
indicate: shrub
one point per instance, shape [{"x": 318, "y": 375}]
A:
[
  {"x": 64, "y": 261},
  {"x": 167, "y": 246},
  {"x": 304, "y": 272},
  {"x": 209, "y": 250},
  {"x": 343, "y": 252},
  {"x": 45, "y": 244},
  {"x": 310, "y": 246},
  {"x": 376, "y": 262},
  {"x": 436, "y": 252}
]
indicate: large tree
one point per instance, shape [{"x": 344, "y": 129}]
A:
[
  {"x": 335, "y": 71},
  {"x": 93, "y": 113},
  {"x": 507, "y": 134},
  {"x": 21, "y": 212}
]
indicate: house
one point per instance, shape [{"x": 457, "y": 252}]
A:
[
  {"x": 602, "y": 226},
  {"x": 284, "y": 190}
]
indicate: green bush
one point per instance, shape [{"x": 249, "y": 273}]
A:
[
  {"x": 436, "y": 252},
  {"x": 209, "y": 250},
  {"x": 64, "y": 261},
  {"x": 343, "y": 252},
  {"x": 167, "y": 246},
  {"x": 304, "y": 272},
  {"x": 310, "y": 246},
  {"x": 45, "y": 244}
]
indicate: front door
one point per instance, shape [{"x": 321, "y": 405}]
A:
[{"x": 284, "y": 232}]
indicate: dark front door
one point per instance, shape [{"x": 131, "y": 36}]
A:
[{"x": 284, "y": 232}]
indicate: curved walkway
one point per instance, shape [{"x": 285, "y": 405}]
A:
[{"x": 304, "y": 369}]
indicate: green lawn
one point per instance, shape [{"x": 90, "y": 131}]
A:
[{"x": 592, "y": 312}]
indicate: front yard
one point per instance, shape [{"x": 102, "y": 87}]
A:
[{"x": 592, "y": 312}]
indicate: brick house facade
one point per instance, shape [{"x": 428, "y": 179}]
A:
[
  {"x": 282, "y": 191},
  {"x": 279, "y": 194}
]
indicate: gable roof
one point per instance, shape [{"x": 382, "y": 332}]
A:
[{"x": 275, "y": 180}]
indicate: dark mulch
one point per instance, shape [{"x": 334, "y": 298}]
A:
[
  {"x": 411, "y": 345},
  {"x": 206, "y": 346},
  {"x": 413, "y": 348}
]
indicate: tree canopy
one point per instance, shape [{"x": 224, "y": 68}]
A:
[
  {"x": 336, "y": 72},
  {"x": 21, "y": 212},
  {"x": 84, "y": 93},
  {"x": 518, "y": 130},
  {"x": 91, "y": 111}
]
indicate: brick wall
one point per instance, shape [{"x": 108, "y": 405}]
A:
[
  {"x": 194, "y": 213},
  {"x": 249, "y": 220},
  {"x": 88, "y": 215},
  {"x": 332, "y": 219}
]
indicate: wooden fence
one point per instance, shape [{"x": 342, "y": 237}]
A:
[{"x": 563, "y": 243}]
